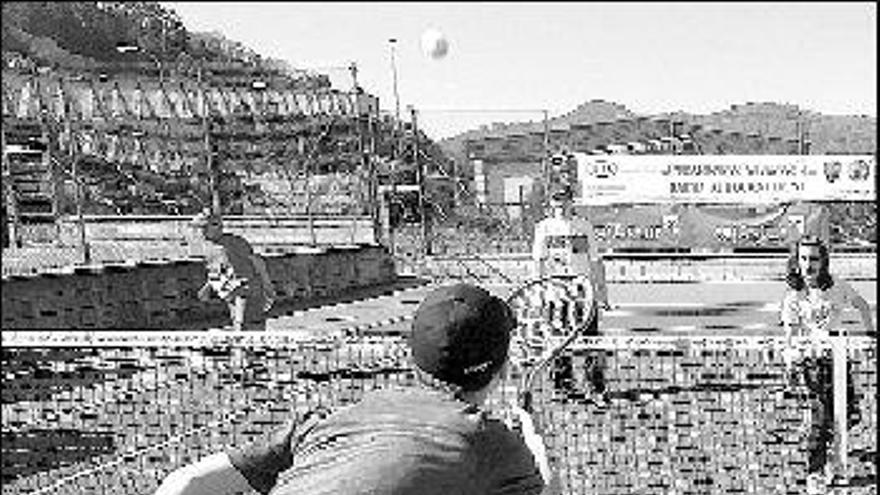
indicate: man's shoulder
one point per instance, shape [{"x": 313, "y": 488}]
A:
[
  {"x": 581, "y": 224},
  {"x": 512, "y": 463},
  {"x": 402, "y": 397},
  {"x": 235, "y": 242},
  {"x": 233, "y": 238},
  {"x": 843, "y": 287},
  {"x": 840, "y": 282}
]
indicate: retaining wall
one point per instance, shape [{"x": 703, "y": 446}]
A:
[
  {"x": 163, "y": 294},
  {"x": 294, "y": 229}
]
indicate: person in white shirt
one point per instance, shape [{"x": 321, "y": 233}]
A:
[
  {"x": 565, "y": 245},
  {"x": 812, "y": 307}
]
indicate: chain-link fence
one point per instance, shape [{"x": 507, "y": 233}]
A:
[
  {"x": 121, "y": 145},
  {"x": 483, "y": 190},
  {"x": 113, "y": 414}
]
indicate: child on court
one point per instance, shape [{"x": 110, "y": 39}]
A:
[
  {"x": 236, "y": 275},
  {"x": 812, "y": 307}
]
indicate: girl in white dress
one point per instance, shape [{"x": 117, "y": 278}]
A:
[{"x": 812, "y": 307}]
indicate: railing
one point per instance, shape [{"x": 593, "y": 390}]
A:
[
  {"x": 113, "y": 413},
  {"x": 25, "y": 96}
]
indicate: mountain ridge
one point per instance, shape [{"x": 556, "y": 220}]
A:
[{"x": 828, "y": 134}]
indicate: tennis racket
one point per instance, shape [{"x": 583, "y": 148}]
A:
[{"x": 551, "y": 313}]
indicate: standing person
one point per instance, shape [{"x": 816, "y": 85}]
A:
[
  {"x": 431, "y": 438},
  {"x": 237, "y": 275},
  {"x": 812, "y": 307},
  {"x": 565, "y": 245}
]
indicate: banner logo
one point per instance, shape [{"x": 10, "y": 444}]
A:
[
  {"x": 832, "y": 171},
  {"x": 859, "y": 170}
]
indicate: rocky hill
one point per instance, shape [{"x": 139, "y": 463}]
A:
[{"x": 827, "y": 133}]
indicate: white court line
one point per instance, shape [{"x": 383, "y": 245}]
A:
[
  {"x": 617, "y": 313},
  {"x": 611, "y": 330},
  {"x": 734, "y": 281},
  {"x": 755, "y": 326},
  {"x": 661, "y": 305},
  {"x": 681, "y": 328},
  {"x": 771, "y": 307}
]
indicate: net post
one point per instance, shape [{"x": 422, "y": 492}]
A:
[{"x": 839, "y": 379}]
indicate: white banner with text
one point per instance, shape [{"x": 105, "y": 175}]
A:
[{"x": 724, "y": 179}]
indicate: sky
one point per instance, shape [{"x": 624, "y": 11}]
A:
[{"x": 511, "y": 61}]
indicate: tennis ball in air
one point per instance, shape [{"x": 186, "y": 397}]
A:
[{"x": 434, "y": 44}]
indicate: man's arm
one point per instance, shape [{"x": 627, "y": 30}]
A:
[
  {"x": 268, "y": 287},
  {"x": 788, "y": 315},
  {"x": 861, "y": 304},
  {"x": 239, "y": 305},
  {"x": 597, "y": 267},
  {"x": 538, "y": 251},
  {"x": 535, "y": 444},
  {"x": 205, "y": 291},
  {"x": 857, "y": 301},
  {"x": 212, "y": 475}
]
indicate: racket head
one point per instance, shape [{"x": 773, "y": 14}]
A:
[{"x": 551, "y": 313}]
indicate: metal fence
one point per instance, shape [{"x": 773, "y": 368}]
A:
[{"x": 113, "y": 413}]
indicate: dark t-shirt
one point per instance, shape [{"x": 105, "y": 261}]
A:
[
  {"x": 234, "y": 261},
  {"x": 399, "y": 441}
]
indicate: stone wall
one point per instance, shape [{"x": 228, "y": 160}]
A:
[{"x": 162, "y": 294}]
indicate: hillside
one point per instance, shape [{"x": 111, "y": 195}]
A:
[
  {"x": 827, "y": 133},
  {"x": 82, "y": 37}
]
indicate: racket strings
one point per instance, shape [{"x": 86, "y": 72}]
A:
[{"x": 548, "y": 311}]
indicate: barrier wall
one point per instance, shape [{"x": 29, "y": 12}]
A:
[
  {"x": 256, "y": 229},
  {"x": 114, "y": 239},
  {"x": 163, "y": 294},
  {"x": 643, "y": 268}
]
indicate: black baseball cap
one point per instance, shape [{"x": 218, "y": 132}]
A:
[{"x": 460, "y": 335}]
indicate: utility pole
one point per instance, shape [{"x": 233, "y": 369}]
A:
[
  {"x": 545, "y": 169},
  {"x": 420, "y": 179},
  {"x": 207, "y": 127},
  {"x": 393, "y": 42},
  {"x": 360, "y": 121},
  {"x": 395, "y": 133},
  {"x": 367, "y": 151},
  {"x": 78, "y": 197},
  {"x": 803, "y": 137},
  {"x": 11, "y": 200},
  {"x": 213, "y": 180}
]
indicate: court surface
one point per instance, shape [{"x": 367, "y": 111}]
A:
[{"x": 701, "y": 309}]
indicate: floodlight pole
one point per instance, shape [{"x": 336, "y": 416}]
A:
[
  {"x": 395, "y": 135},
  {"x": 393, "y": 43},
  {"x": 545, "y": 169}
]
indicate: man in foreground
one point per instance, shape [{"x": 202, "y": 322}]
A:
[{"x": 429, "y": 438}]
